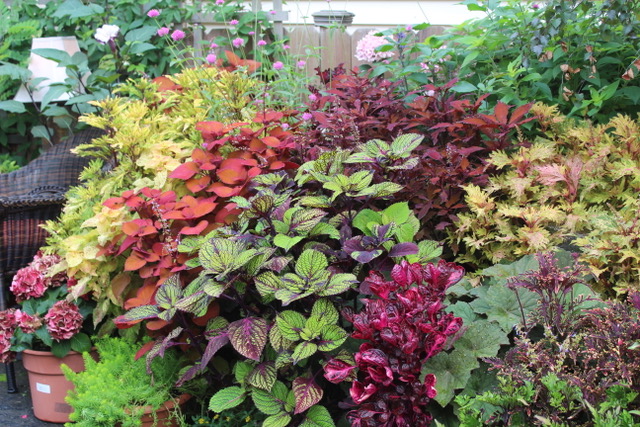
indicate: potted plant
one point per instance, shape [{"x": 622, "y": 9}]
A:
[
  {"x": 117, "y": 390},
  {"x": 49, "y": 328}
]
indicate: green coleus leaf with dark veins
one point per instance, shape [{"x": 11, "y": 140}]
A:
[
  {"x": 227, "y": 398},
  {"x": 167, "y": 296},
  {"x": 290, "y": 323},
  {"x": 220, "y": 256},
  {"x": 248, "y": 336},
  {"x": 262, "y": 376},
  {"x": 317, "y": 416}
]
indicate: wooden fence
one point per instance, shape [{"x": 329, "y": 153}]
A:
[{"x": 329, "y": 46}]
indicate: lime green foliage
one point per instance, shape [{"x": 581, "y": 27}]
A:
[
  {"x": 574, "y": 53},
  {"x": 577, "y": 184},
  {"x": 7, "y": 163},
  {"x": 114, "y": 389},
  {"x": 149, "y": 134}
]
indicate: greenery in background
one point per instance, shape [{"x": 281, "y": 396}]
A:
[
  {"x": 92, "y": 73},
  {"x": 114, "y": 390},
  {"x": 578, "y": 54}
]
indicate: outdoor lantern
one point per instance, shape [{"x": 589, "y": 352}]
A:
[{"x": 42, "y": 67}]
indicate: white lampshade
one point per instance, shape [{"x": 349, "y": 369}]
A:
[{"x": 42, "y": 67}]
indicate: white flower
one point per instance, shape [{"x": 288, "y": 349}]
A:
[{"x": 106, "y": 33}]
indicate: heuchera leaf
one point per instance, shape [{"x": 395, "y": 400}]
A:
[
  {"x": 306, "y": 392},
  {"x": 249, "y": 336}
]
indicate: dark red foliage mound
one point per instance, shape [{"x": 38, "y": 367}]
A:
[{"x": 402, "y": 328}]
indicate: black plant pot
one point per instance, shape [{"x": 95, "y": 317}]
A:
[{"x": 325, "y": 18}]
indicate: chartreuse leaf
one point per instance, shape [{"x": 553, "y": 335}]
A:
[
  {"x": 259, "y": 260},
  {"x": 267, "y": 283},
  {"x": 303, "y": 350},
  {"x": 266, "y": 403},
  {"x": 428, "y": 250},
  {"x": 403, "y": 145},
  {"x": 285, "y": 242},
  {"x": 290, "y": 323},
  {"x": 325, "y": 311},
  {"x": 220, "y": 256},
  {"x": 452, "y": 371},
  {"x": 248, "y": 336},
  {"x": 317, "y": 416},
  {"x": 302, "y": 220},
  {"x": 263, "y": 376},
  {"x": 332, "y": 337},
  {"x": 226, "y": 398},
  {"x": 398, "y": 213},
  {"x": 383, "y": 189},
  {"x": 241, "y": 369},
  {"x": 338, "y": 284},
  {"x": 325, "y": 228},
  {"x": 311, "y": 264},
  {"x": 167, "y": 296},
  {"x": 365, "y": 219},
  {"x": 306, "y": 392},
  {"x": 281, "y": 419}
]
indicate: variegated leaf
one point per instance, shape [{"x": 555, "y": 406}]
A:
[
  {"x": 226, "y": 398},
  {"x": 306, "y": 392},
  {"x": 263, "y": 376},
  {"x": 303, "y": 350},
  {"x": 248, "y": 336}
]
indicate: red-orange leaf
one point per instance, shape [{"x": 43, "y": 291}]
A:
[
  {"x": 232, "y": 176},
  {"x": 195, "y": 230},
  {"x": 502, "y": 111},
  {"x": 223, "y": 190},
  {"x": 198, "y": 184},
  {"x": 114, "y": 203},
  {"x": 134, "y": 262},
  {"x": 185, "y": 171},
  {"x": 271, "y": 141}
]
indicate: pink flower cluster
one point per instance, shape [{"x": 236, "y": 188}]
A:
[
  {"x": 33, "y": 280},
  {"x": 366, "y": 48},
  {"x": 63, "y": 320}
]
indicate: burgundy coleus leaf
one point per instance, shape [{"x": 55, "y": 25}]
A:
[
  {"x": 249, "y": 336},
  {"x": 360, "y": 392},
  {"x": 307, "y": 393},
  {"x": 213, "y": 345},
  {"x": 376, "y": 363}
]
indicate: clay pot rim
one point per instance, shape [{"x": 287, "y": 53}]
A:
[{"x": 168, "y": 404}]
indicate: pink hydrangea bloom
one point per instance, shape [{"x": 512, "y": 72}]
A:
[
  {"x": 262, "y": 43},
  {"x": 63, "y": 320},
  {"x": 153, "y": 13},
  {"x": 178, "y": 35},
  {"x": 278, "y": 65},
  {"x": 28, "y": 283},
  {"x": 26, "y": 322},
  {"x": 163, "y": 31},
  {"x": 211, "y": 58},
  {"x": 366, "y": 48},
  {"x": 6, "y": 355},
  {"x": 238, "y": 42}
]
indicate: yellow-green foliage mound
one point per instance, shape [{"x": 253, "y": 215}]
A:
[
  {"x": 149, "y": 132},
  {"x": 577, "y": 185}
]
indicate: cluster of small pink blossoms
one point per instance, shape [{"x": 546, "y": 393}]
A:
[{"x": 366, "y": 48}]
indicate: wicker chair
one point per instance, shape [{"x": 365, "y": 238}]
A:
[{"x": 30, "y": 196}]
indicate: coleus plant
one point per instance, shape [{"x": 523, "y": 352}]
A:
[
  {"x": 279, "y": 275},
  {"x": 457, "y": 138},
  {"x": 404, "y": 326}
]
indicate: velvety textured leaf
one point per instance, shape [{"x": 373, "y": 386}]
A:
[
  {"x": 226, "y": 398},
  {"x": 482, "y": 339},
  {"x": 317, "y": 416},
  {"x": 452, "y": 371},
  {"x": 248, "y": 336},
  {"x": 263, "y": 376},
  {"x": 306, "y": 392},
  {"x": 303, "y": 350}
]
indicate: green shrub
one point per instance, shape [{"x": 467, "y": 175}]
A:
[{"x": 114, "y": 389}]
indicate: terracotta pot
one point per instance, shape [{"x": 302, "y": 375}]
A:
[
  {"x": 48, "y": 385},
  {"x": 163, "y": 415}
]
